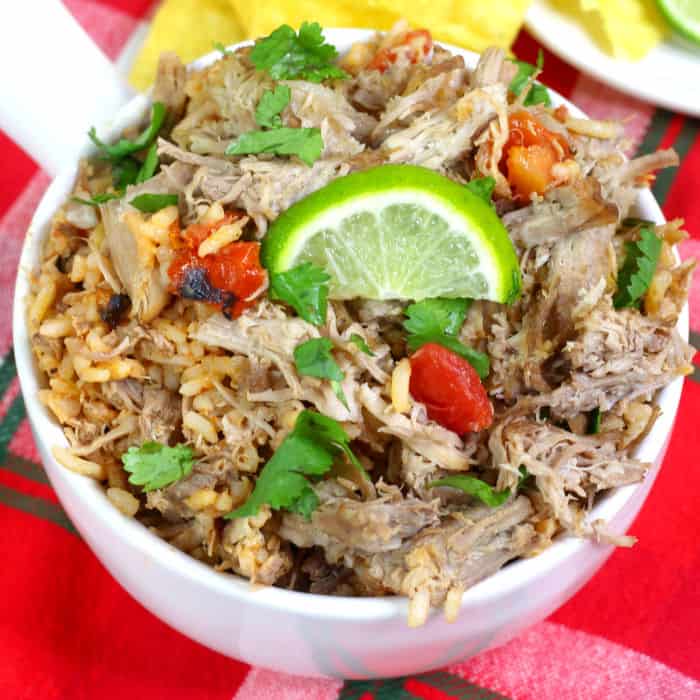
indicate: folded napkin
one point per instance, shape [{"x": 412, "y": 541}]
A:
[{"x": 190, "y": 27}]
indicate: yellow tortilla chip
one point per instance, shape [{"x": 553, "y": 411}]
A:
[
  {"x": 188, "y": 27},
  {"x": 474, "y": 24},
  {"x": 627, "y": 29}
]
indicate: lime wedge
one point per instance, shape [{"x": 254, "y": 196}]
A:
[
  {"x": 683, "y": 16},
  {"x": 397, "y": 232}
]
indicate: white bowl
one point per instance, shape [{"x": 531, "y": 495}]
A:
[{"x": 303, "y": 633}]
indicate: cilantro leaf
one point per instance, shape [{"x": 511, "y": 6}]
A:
[
  {"x": 329, "y": 432},
  {"x": 474, "y": 487},
  {"x": 125, "y": 147},
  {"x": 637, "y": 271},
  {"x": 432, "y": 316},
  {"x": 220, "y": 47},
  {"x": 525, "y": 478},
  {"x": 305, "y": 288},
  {"x": 313, "y": 358},
  {"x": 305, "y": 143},
  {"x": 125, "y": 172},
  {"x": 594, "y": 417},
  {"x": 357, "y": 340},
  {"x": 308, "y": 451},
  {"x": 150, "y": 203},
  {"x": 271, "y": 104},
  {"x": 286, "y": 55},
  {"x": 439, "y": 321},
  {"x": 482, "y": 187},
  {"x": 97, "y": 199},
  {"x": 538, "y": 93},
  {"x": 154, "y": 465}
]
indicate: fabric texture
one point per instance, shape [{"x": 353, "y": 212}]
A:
[{"x": 67, "y": 629}]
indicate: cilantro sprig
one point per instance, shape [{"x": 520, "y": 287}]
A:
[
  {"x": 637, "y": 271},
  {"x": 474, "y": 487},
  {"x": 361, "y": 344},
  {"x": 305, "y": 143},
  {"x": 219, "y": 46},
  {"x": 97, "y": 199},
  {"x": 286, "y": 55},
  {"x": 439, "y": 321},
  {"x": 477, "y": 488},
  {"x": 594, "y": 418},
  {"x": 125, "y": 147},
  {"x": 482, "y": 187},
  {"x": 305, "y": 289},
  {"x": 538, "y": 93},
  {"x": 271, "y": 104},
  {"x": 127, "y": 170},
  {"x": 308, "y": 452},
  {"x": 313, "y": 358},
  {"x": 151, "y": 203},
  {"x": 153, "y": 465}
]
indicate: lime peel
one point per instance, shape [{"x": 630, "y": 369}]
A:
[{"x": 683, "y": 16}]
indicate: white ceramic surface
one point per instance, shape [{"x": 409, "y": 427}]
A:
[
  {"x": 668, "y": 76},
  {"x": 302, "y": 633}
]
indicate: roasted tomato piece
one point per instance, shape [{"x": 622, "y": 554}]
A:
[
  {"x": 227, "y": 278},
  {"x": 530, "y": 153},
  {"x": 415, "y": 45},
  {"x": 450, "y": 388}
]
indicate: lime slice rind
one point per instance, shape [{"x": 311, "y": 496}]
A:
[
  {"x": 683, "y": 16},
  {"x": 397, "y": 232}
]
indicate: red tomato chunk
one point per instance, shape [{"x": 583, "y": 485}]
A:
[
  {"x": 225, "y": 279},
  {"x": 450, "y": 388}
]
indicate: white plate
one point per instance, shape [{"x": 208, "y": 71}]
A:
[{"x": 668, "y": 76}]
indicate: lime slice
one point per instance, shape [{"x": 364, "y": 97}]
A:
[
  {"x": 397, "y": 232},
  {"x": 683, "y": 16}
]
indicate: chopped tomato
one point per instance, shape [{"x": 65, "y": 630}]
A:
[
  {"x": 225, "y": 279},
  {"x": 530, "y": 153},
  {"x": 415, "y": 44},
  {"x": 450, "y": 388}
]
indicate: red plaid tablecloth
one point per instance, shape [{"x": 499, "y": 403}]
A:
[{"x": 67, "y": 630}]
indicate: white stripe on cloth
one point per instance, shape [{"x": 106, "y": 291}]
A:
[
  {"x": 553, "y": 662},
  {"x": 109, "y": 28},
  {"x": 13, "y": 227},
  {"x": 690, "y": 248},
  {"x": 261, "y": 684}
]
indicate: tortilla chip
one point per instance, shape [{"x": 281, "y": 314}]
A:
[
  {"x": 188, "y": 27},
  {"x": 626, "y": 29},
  {"x": 473, "y": 24}
]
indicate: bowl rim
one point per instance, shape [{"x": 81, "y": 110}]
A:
[{"x": 518, "y": 574}]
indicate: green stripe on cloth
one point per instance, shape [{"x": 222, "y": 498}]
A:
[
  {"x": 657, "y": 129},
  {"x": 14, "y": 416},
  {"x": 695, "y": 342},
  {"x": 458, "y": 688},
  {"x": 686, "y": 138},
  {"x": 8, "y": 370},
  {"x": 25, "y": 468},
  {"x": 453, "y": 687},
  {"x": 37, "y": 507}
]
